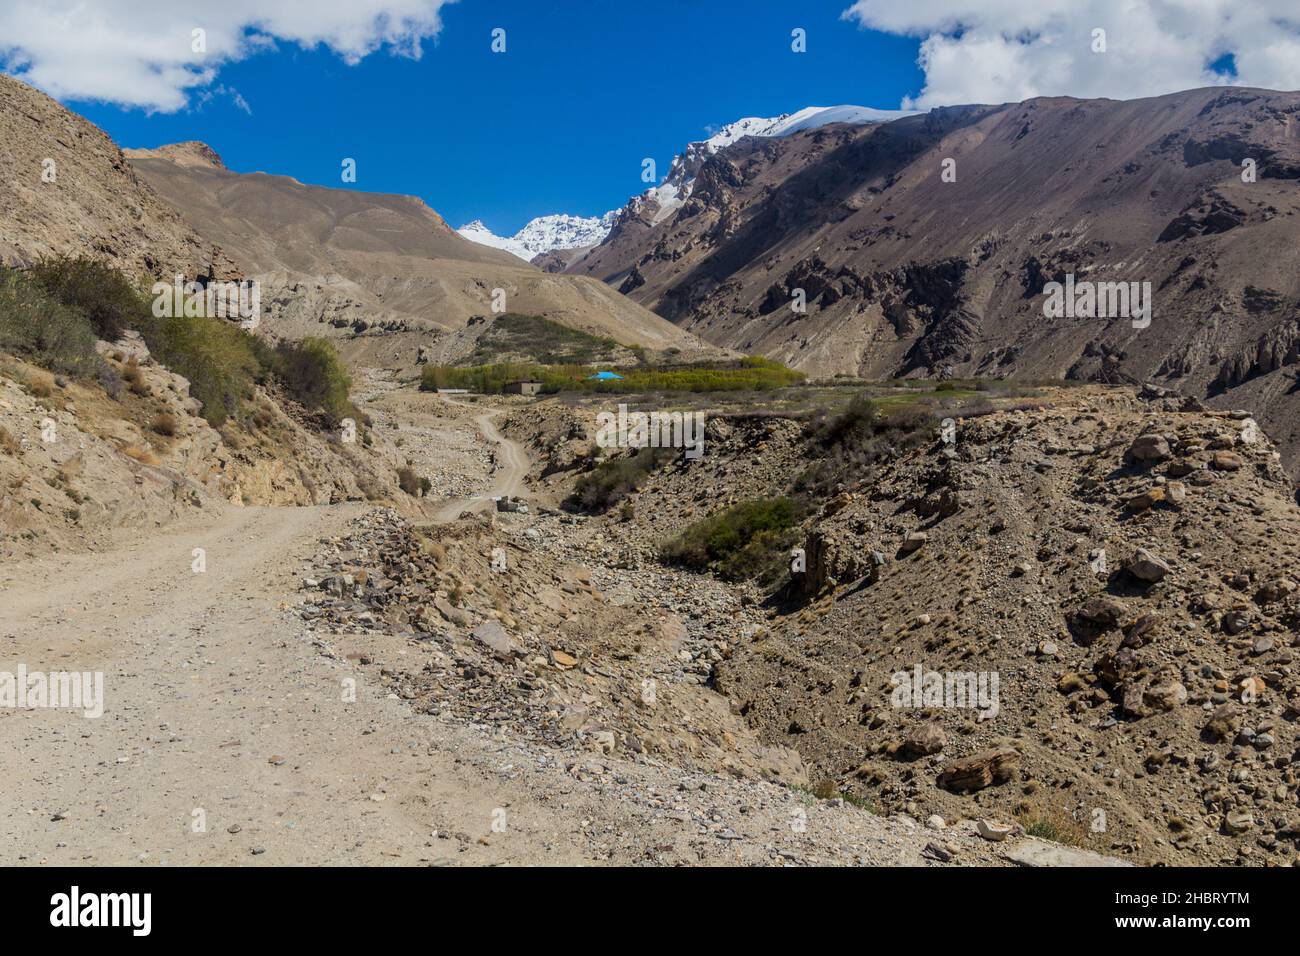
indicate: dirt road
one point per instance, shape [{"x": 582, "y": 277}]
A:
[
  {"x": 220, "y": 715},
  {"x": 229, "y": 737},
  {"x": 508, "y": 479}
]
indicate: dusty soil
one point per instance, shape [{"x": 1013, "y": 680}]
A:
[{"x": 227, "y": 738}]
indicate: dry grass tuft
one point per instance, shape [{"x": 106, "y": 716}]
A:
[
  {"x": 10, "y": 445},
  {"x": 165, "y": 424},
  {"x": 143, "y": 455}
]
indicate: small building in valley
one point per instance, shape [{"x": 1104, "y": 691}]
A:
[{"x": 524, "y": 388}]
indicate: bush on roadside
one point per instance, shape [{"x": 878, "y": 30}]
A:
[
  {"x": 312, "y": 373},
  {"x": 215, "y": 355},
  {"x": 52, "y": 315}
]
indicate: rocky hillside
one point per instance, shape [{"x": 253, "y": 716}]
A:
[
  {"x": 907, "y": 271},
  {"x": 82, "y": 461},
  {"x": 70, "y": 190},
  {"x": 1124, "y": 565}
]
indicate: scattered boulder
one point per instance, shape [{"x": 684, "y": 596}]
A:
[
  {"x": 925, "y": 739},
  {"x": 494, "y": 637},
  {"x": 1165, "y": 695},
  {"x": 1148, "y": 449},
  {"x": 1224, "y": 722},
  {"x": 1141, "y": 631},
  {"x": 1146, "y": 566},
  {"x": 1238, "y": 821},
  {"x": 1070, "y": 682},
  {"x": 1153, "y": 496},
  {"x": 913, "y": 542},
  {"x": 979, "y": 770},
  {"x": 1095, "y": 617},
  {"x": 994, "y": 832},
  {"x": 1235, "y": 620}
]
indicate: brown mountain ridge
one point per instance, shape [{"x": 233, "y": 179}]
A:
[{"x": 905, "y": 273}]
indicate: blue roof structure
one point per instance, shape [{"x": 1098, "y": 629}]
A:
[{"x": 604, "y": 377}]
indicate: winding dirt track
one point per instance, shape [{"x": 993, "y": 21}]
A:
[
  {"x": 219, "y": 711},
  {"x": 507, "y": 480}
]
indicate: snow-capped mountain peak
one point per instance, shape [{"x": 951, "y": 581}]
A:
[
  {"x": 560, "y": 231},
  {"x": 677, "y": 185},
  {"x": 544, "y": 234}
]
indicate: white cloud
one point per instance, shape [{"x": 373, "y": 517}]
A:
[
  {"x": 996, "y": 51},
  {"x": 141, "y": 52}
]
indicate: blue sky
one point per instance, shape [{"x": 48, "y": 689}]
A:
[{"x": 558, "y": 123}]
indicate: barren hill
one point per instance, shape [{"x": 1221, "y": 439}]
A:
[
  {"x": 347, "y": 262},
  {"x": 906, "y": 273}
]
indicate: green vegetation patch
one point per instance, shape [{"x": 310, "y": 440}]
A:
[
  {"x": 38, "y": 327},
  {"x": 747, "y": 540},
  {"x": 752, "y": 374},
  {"x": 541, "y": 340},
  {"x": 864, "y": 433},
  {"x": 615, "y": 478},
  {"x": 52, "y": 314},
  {"x": 312, "y": 372},
  {"x": 215, "y": 355},
  {"x": 109, "y": 300}
]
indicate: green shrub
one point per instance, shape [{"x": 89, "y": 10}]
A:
[
  {"x": 216, "y": 355},
  {"x": 615, "y": 478},
  {"x": 313, "y": 374},
  {"x": 865, "y": 433},
  {"x": 539, "y": 340},
  {"x": 750, "y": 374},
  {"x": 42, "y": 330},
  {"x": 748, "y": 540},
  {"x": 108, "y": 299},
  {"x": 52, "y": 315}
]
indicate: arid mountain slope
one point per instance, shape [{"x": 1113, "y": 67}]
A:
[
  {"x": 906, "y": 273},
  {"x": 1124, "y": 564},
  {"x": 345, "y": 262},
  {"x": 70, "y": 190}
]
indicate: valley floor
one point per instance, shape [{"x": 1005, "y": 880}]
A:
[{"x": 227, "y": 739}]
